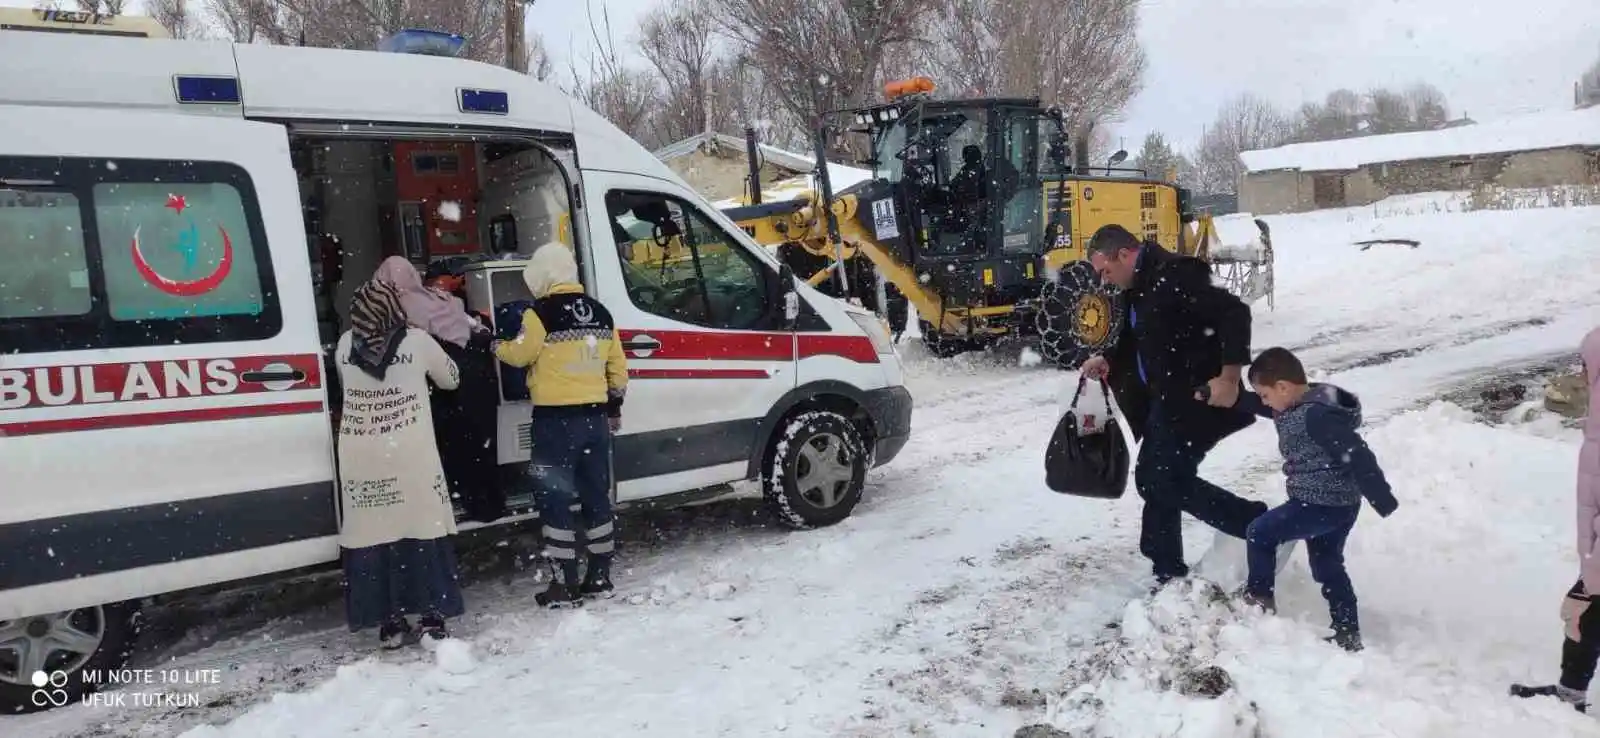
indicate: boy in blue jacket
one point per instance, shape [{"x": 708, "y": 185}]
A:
[{"x": 1329, "y": 470}]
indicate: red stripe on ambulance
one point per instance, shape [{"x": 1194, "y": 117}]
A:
[
  {"x": 751, "y": 346},
  {"x": 136, "y": 420},
  {"x": 95, "y": 384}
]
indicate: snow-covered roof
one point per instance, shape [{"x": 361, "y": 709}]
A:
[
  {"x": 1531, "y": 132},
  {"x": 788, "y": 189},
  {"x": 788, "y": 160},
  {"x": 839, "y": 176}
]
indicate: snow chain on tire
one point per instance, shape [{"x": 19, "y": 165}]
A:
[
  {"x": 778, "y": 480},
  {"x": 1079, "y": 316}
]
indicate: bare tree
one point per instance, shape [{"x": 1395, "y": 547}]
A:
[
  {"x": 249, "y": 21},
  {"x": 618, "y": 93},
  {"x": 677, "y": 38},
  {"x": 174, "y": 15},
  {"x": 1246, "y": 123},
  {"x": 739, "y": 96},
  {"x": 108, "y": 7},
  {"x": 1388, "y": 111},
  {"x": 360, "y": 24},
  {"x": 1340, "y": 115},
  {"x": 1081, "y": 55},
  {"x": 823, "y": 55},
  {"x": 539, "y": 64},
  {"x": 1429, "y": 109}
]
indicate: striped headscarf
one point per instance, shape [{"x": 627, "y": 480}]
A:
[{"x": 377, "y": 323}]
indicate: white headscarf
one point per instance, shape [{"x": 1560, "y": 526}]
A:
[{"x": 550, "y": 265}]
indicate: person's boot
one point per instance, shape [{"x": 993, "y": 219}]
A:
[
  {"x": 597, "y": 580},
  {"x": 394, "y": 633},
  {"x": 563, "y": 591},
  {"x": 1162, "y": 580},
  {"x": 1573, "y": 697},
  {"x": 431, "y": 630},
  {"x": 1267, "y": 603},
  {"x": 1348, "y": 639}
]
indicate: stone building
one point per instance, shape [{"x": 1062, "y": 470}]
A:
[
  {"x": 1535, "y": 150},
  {"x": 715, "y": 165}
]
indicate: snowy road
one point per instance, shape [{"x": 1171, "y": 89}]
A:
[{"x": 963, "y": 596}]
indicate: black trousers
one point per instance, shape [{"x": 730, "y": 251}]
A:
[
  {"x": 1578, "y": 658},
  {"x": 1167, "y": 477},
  {"x": 464, "y": 429}
]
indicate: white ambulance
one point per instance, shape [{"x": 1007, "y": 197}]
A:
[{"x": 164, "y": 418}]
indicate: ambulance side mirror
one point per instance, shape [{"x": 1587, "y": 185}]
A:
[{"x": 789, "y": 296}]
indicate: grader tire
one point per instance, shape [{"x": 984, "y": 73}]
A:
[
  {"x": 942, "y": 345},
  {"x": 1079, "y": 316}
]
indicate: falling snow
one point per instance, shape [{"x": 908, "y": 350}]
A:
[{"x": 964, "y": 599}]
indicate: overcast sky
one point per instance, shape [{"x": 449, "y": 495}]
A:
[{"x": 1202, "y": 52}]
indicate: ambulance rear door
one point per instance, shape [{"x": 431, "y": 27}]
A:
[{"x": 161, "y": 386}]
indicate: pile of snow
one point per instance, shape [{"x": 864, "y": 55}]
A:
[
  {"x": 1459, "y": 591},
  {"x": 1547, "y": 130}
]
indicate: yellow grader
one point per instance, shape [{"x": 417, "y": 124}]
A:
[{"x": 975, "y": 216}]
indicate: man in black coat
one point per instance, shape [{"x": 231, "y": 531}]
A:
[{"x": 1181, "y": 332}]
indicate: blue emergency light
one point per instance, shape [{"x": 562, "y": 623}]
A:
[
  {"x": 424, "y": 42},
  {"x": 198, "y": 89},
  {"x": 488, "y": 102}
]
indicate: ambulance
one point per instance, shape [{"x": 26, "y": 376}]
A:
[{"x": 167, "y": 291}]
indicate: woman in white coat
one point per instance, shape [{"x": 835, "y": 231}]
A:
[{"x": 395, "y": 541}]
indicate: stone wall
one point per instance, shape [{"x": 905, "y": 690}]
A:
[
  {"x": 1289, "y": 191},
  {"x": 719, "y": 177},
  {"x": 1270, "y": 193},
  {"x": 1547, "y": 168},
  {"x": 1522, "y": 169},
  {"x": 1431, "y": 175}
]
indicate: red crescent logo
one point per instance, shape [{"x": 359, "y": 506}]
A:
[{"x": 191, "y": 288}]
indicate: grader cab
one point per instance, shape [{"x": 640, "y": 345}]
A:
[{"x": 977, "y": 215}]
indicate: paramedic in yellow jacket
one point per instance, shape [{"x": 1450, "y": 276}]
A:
[{"x": 576, "y": 378}]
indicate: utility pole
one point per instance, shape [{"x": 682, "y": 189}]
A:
[{"x": 516, "y": 35}]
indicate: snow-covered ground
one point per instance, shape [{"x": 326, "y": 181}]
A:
[{"x": 964, "y": 599}]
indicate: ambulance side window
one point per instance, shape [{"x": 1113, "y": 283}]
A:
[
  {"x": 188, "y": 251},
  {"x": 681, "y": 265},
  {"x": 131, "y": 252},
  {"x": 46, "y": 272}
]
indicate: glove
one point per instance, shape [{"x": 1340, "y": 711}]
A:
[
  {"x": 1572, "y": 608},
  {"x": 614, "y": 423},
  {"x": 1385, "y": 507}
]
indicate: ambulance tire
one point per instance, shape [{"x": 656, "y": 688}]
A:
[
  {"x": 816, "y": 470},
  {"x": 118, "y": 624}
]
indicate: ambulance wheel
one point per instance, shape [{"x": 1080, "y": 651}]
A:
[
  {"x": 43, "y": 657},
  {"x": 816, "y": 470},
  {"x": 1079, "y": 316}
]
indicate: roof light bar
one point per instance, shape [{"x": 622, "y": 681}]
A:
[{"x": 423, "y": 42}]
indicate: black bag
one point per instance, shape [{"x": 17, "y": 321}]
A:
[{"x": 1087, "y": 464}]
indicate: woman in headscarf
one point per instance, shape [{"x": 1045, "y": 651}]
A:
[
  {"x": 465, "y": 419},
  {"x": 1580, "y": 649},
  {"x": 395, "y": 539}
]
